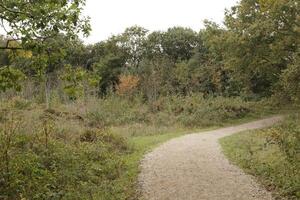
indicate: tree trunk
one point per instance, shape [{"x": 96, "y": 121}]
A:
[{"x": 47, "y": 92}]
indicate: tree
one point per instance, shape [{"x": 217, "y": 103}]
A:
[
  {"x": 154, "y": 45},
  {"x": 4, "y": 60},
  {"x": 290, "y": 79},
  {"x": 133, "y": 42},
  {"x": 108, "y": 59},
  {"x": 262, "y": 39},
  {"x": 215, "y": 76},
  {"x": 77, "y": 81},
  {"x": 156, "y": 77},
  {"x": 109, "y": 67},
  {"x": 178, "y": 43},
  {"x": 78, "y": 54},
  {"x": 35, "y": 21},
  {"x": 10, "y": 78},
  {"x": 127, "y": 84}
]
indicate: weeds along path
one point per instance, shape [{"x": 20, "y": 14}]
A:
[{"x": 193, "y": 167}]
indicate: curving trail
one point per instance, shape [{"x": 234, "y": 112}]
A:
[{"x": 193, "y": 167}]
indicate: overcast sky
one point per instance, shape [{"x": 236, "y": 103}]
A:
[{"x": 113, "y": 16}]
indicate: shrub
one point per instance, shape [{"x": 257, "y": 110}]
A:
[
  {"x": 195, "y": 110},
  {"x": 290, "y": 79},
  {"x": 127, "y": 84},
  {"x": 115, "y": 110},
  {"x": 190, "y": 111},
  {"x": 83, "y": 169}
]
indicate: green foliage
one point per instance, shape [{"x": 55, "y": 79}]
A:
[
  {"x": 183, "y": 111},
  {"x": 197, "y": 111},
  {"x": 246, "y": 58},
  {"x": 261, "y": 39},
  {"x": 271, "y": 154},
  {"x": 286, "y": 137},
  {"x": 178, "y": 43},
  {"x": 290, "y": 79},
  {"x": 108, "y": 59},
  {"x": 4, "y": 55},
  {"x": 73, "y": 78},
  {"x": 42, "y": 27},
  {"x": 155, "y": 78},
  {"x": 182, "y": 80},
  {"x": 77, "y": 53},
  {"x": 73, "y": 151},
  {"x": 43, "y": 19},
  {"x": 39, "y": 166},
  {"x": 76, "y": 81},
  {"x": 160, "y": 77},
  {"x": 114, "y": 111},
  {"x": 133, "y": 43},
  {"x": 10, "y": 78}
]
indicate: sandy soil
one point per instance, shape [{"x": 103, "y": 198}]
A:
[{"x": 193, "y": 167}]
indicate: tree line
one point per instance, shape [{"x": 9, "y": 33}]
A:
[{"x": 255, "y": 54}]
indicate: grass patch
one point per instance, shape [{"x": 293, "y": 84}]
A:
[{"x": 272, "y": 155}]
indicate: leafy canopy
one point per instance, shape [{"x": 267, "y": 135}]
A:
[{"x": 31, "y": 20}]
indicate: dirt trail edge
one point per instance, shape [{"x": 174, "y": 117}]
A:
[{"x": 193, "y": 167}]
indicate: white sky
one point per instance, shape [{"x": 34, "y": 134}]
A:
[{"x": 113, "y": 16}]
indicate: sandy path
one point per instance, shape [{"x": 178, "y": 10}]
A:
[{"x": 193, "y": 167}]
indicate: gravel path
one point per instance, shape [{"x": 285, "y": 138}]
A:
[{"x": 193, "y": 167}]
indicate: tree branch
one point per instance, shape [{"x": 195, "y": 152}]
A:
[
  {"x": 10, "y": 48},
  {"x": 14, "y": 11}
]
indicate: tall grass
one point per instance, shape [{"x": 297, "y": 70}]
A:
[{"x": 187, "y": 111}]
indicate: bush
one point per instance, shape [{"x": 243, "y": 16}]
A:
[
  {"x": 36, "y": 167},
  {"x": 197, "y": 111},
  {"x": 188, "y": 111},
  {"x": 114, "y": 110},
  {"x": 290, "y": 79}
]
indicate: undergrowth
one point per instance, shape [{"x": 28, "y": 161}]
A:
[{"x": 91, "y": 149}]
